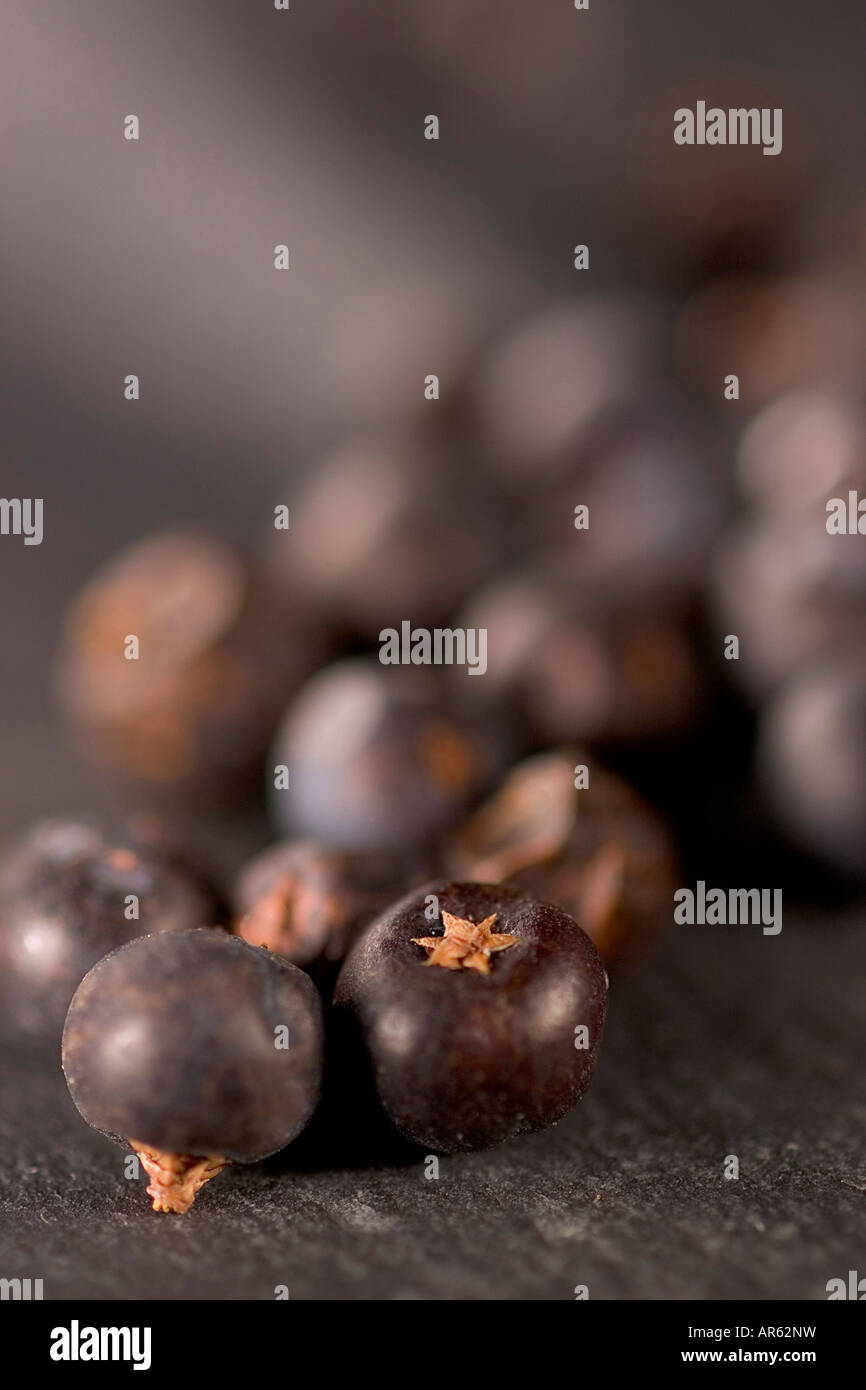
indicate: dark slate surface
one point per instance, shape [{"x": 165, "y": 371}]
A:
[{"x": 726, "y": 1042}]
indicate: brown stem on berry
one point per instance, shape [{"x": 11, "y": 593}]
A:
[{"x": 176, "y": 1178}]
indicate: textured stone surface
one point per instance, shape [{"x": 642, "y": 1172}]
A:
[{"x": 725, "y": 1042}]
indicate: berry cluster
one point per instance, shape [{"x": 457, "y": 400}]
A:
[
  {"x": 198, "y": 1049},
  {"x": 461, "y": 847}
]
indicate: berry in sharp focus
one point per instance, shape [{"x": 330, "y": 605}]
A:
[
  {"x": 198, "y": 1050},
  {"x": 480, "y": 1011}
]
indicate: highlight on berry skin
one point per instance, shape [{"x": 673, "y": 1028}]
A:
[
  {"x": 476, "y": 1013},
  {"x": 197, "y": 1050}
]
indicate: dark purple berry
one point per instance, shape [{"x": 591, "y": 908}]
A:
[
  {"x": 801, "y": 450},
  {"x": 387, "y": 529},
  {"x": 580, "y": 665},
  {"x": 791, "y": 593},
  {"x": 812, "y": 758},
  {"x": 71, "y": 891},
  {"x": 481, "y": 1011},
  {"x": 650, "y": 477},
  {"x": 374, "y": 759},
  {"x": 558, "y": 373},
  {"x": 197, "y": 1049},
  {"x": 778, "y": 334}
]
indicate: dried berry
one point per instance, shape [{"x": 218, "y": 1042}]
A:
[
  {"x": 791, "y": 593},
  {"x": 481, "y": 1011},
  {"x": 580, "y": 666},
  {"x": 176, "y": 664},
  {"x": 558, "y": 373},
  {"x": 198, "y": 1050},
  {"x": 812, "y": 758},
  {"x": 778, "y": 334},
  {"x": 70, "y": 891},
  {"x": 389, "y": 529},
  {"x": 802, "y": 450},
  {"x": 642, "y": 499},
  {"x": 375, "y": 760},
  {"x": 308, "y": 901},
  {"x": 599, "y": 852}
]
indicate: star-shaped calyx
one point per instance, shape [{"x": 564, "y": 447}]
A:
[{"x": 465, "y": 945}]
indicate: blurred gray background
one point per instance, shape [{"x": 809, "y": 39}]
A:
[{"x": 260, "y": 127}]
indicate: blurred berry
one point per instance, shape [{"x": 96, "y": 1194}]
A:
[
  {"x": 307, "y": 901},
  {"x": 777, "y": 335},
  {"x": 376, "y": 759},
  {"x": 219, "y": 652},
  {"x": 599, "y": 852},
  {"x": 72, "y": 890},
  {"x": 388, "y": 530},
  {"x": 812, "y": 758},
  {"x": 790, "y": 592},
  {"x": 558, "y": 373},
  {"x": 801, "y": 450},
  {"x": 651, "y": 476},
  {"x": 578, "y": 665}
]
